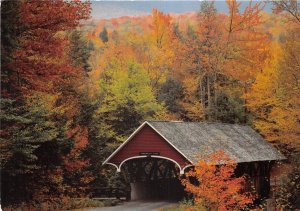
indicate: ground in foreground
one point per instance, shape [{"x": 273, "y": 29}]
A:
[{"x": 136, "y": 206}]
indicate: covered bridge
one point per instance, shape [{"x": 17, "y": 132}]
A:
[{"x": 180, "y": 143}]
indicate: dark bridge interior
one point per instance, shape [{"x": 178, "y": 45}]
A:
[{"x": 153, "y": 179}]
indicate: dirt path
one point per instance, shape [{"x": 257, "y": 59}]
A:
[{"x": 135, "y": 206}]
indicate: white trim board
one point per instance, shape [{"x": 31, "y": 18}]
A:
[{"x": 181, "y": 169}]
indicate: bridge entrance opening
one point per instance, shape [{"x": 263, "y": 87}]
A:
[{"x": 153, "y": 179}]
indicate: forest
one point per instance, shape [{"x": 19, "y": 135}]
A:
[{"x": 74, "y": 88}]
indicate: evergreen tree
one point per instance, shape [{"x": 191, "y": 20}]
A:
[
  {"x": 170, "y": 93},
  {"x": 228, "y": 108},
  {"x": 104, "y": 35},
  {"x": 36, "y": 148},
  {"x": 10, "y": 27},
  {"x": 80, "y": 50}
]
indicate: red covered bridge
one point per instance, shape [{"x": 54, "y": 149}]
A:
[{"x": 155, "y": 142}]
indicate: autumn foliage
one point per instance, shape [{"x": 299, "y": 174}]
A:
[
  {"x": 38, "y": 62},
  {"x": 73, "y": 88},
  {"x": 43, "y": 138},
  {"x": 214, "y": 186}
]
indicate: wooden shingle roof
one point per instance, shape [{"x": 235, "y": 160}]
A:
[{"x": 240, "y": 142}]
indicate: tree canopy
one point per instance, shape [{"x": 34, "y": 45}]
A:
[{"x": 73, "y": 88}]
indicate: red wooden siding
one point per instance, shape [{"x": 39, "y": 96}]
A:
[{"x": 147, "y": 140}]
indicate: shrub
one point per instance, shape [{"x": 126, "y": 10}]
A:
[
  {"x": 62, "y": 204},
  {"x": 215, "y": 186}
]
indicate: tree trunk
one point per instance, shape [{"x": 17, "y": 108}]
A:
[
  {"x": 215, "y": 89},
  {"x": 201, "y": 92},
  {"x": 209, "y": 98},
  {"x": 245, "y": 103}
]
